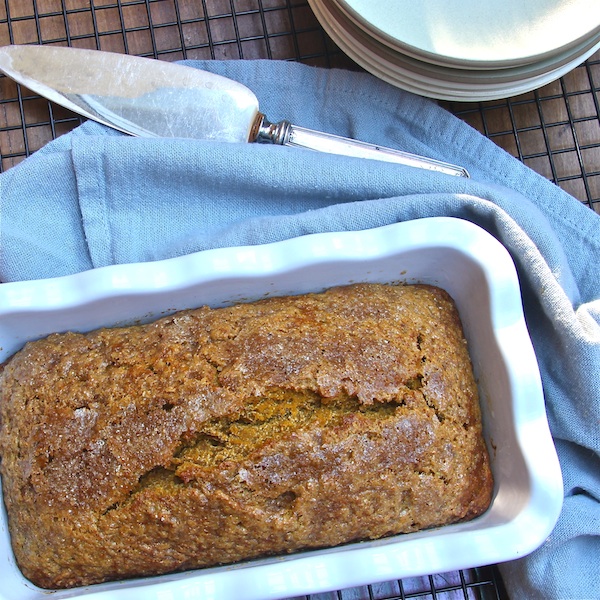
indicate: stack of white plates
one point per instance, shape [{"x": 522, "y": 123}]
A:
[{"x": 467, "y": 50}]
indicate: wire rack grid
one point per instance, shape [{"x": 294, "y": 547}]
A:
[{"x": 554, "y": 130}]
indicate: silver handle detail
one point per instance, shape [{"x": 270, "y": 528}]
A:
[{"x": 286, "y": 134}]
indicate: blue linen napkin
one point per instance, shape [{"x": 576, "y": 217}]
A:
[{"x": 95, "y": 197}]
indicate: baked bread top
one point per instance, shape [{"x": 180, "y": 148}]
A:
[{"x": 213, "y": 436}]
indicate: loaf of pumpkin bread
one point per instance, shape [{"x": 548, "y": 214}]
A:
[{"x": 214, "y": 436}]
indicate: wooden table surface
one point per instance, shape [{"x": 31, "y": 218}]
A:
[{"x": 554, "y": 130}]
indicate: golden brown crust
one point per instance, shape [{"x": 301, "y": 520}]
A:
[{"x": 214, "y": 436}]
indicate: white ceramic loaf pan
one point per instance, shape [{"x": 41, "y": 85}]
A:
[{"x": 454, "y": 254}]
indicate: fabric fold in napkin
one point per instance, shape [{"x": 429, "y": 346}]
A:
[{"x": 95, "y": 197}]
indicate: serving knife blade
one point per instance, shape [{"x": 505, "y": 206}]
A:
[{"x": 153, "y": 98}]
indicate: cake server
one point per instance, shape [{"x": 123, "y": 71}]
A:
[{"x": 153, "y": 98}]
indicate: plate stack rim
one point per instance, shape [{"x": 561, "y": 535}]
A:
[{"x": 444, "y": 49}]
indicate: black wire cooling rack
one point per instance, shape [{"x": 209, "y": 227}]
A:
[
  {"x": 473, "y": 584},
  {"x": 554, "y": 130}
]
